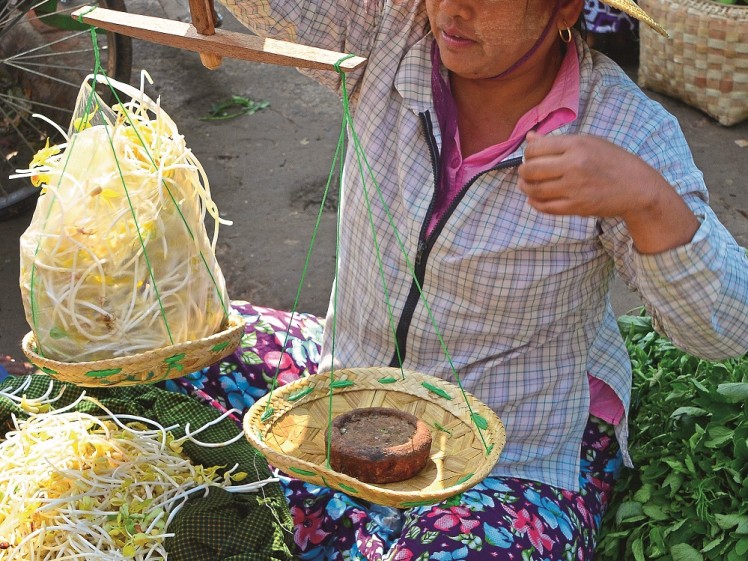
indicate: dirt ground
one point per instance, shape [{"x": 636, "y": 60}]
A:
[{"x": 268, "y": 172}]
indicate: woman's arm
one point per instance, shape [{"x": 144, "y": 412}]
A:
[{"x": 666, "y": 241}]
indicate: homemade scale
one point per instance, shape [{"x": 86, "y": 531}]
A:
[{"x": 290, "y": 423}]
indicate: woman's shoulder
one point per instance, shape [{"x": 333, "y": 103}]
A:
[{"x": 610, "y": 100}]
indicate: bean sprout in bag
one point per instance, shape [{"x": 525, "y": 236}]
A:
[{"x": 117, "y": 260}]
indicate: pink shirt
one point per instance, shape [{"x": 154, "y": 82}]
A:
[{"x": 558, "y": 108}]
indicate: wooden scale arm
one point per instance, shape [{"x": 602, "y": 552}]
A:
[
  {"x": 213, "y": 44},
  {"x": 204, "y": 21}
]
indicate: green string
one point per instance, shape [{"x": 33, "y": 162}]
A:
[
  {"x": 411, "y": 270},
  {"x": 337, "y": 157},
  {"x": 224, "y": 304},
  {"x": 92, "y": 102},
  {"x": 32, "y": 281},
  {"x": 148, "y": 264},
  {"x": 364, "y": 169},
  {"x": 363, "y": 161}
]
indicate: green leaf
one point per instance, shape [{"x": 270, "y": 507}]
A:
[
  {"x": 637, "y": 548},
  {"x": 684, "y": 552},
  {"x": 728, "y": 521},
  {"x": 233, "y": 107},
  {"x": 429, "y": 536},
  {"x": 674, "y": 481},
  {"x": 628, "y": 510},
  {"x": 250, "y": 357},
  {"x": 690, "y": 412},
  {"x": 712, "y": 544},
  {"x": 675, "y": 527},
  {"x": 718, "y": 435},
  {"x": 655, "y": 512},
  {"x": 734, "y": 392},
  {"x": 687, "y": 499},
  {"x": 249, "y": 339},
  {"x": 643, "y": 494}
]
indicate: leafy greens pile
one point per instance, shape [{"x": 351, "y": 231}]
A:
[{"x": 687, "y": 498}]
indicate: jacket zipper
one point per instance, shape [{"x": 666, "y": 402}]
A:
[{"x": 425, "y": 244}]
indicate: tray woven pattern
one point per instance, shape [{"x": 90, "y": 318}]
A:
[
  {"x": 705, "y": 62},
  {"x": 148, "y": 367},
  {"x": 289, "y": 427}
]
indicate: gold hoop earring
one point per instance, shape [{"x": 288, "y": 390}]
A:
[{"x": 565, "y": 35}]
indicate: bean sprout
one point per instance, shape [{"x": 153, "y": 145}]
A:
[
  {"x": 78, "y": 486},
  {"x": 117, "y": 259}
]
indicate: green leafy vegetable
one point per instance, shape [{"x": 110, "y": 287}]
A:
[{"x": 687, "y": 497}]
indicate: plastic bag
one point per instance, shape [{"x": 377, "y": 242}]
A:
[{"x": 117, "y": 260}]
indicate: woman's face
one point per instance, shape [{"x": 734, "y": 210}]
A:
[{"x": 482, "y": 38}]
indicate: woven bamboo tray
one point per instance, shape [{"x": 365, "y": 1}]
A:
[
  {"x": 705, "y": 62},
  {"x": 289, "y": 428},
  {"x": 149, "y": 367}
]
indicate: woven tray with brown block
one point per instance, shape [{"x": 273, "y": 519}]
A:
[{"x": 289, "y": 425}]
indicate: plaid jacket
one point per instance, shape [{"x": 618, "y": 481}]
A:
[{"x": 520, "y": 298}]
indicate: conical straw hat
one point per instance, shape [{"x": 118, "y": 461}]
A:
[{"x": 631, "y": 8}]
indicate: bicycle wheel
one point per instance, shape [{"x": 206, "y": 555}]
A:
[{"x": 44, "y": 56}]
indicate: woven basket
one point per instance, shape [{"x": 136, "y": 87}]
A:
[
  {"x": 149, "y": 367},
  {"x": 705, "y": 61},
  {"x": 289, "y": 426}
]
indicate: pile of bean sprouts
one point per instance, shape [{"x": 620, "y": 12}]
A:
[
  {"x": 117, "y": 259},
  {"x": 99, "y": 488}
]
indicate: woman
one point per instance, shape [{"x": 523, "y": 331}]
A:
[{"x": 521, "y": 171}]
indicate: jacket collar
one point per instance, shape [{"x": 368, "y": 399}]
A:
[{"x": 413, "y": 78}]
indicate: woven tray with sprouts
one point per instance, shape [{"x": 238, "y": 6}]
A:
[{"x": 117, "y": 264}]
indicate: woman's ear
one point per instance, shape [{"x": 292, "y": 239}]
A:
[{"x": 569, "y": 12}]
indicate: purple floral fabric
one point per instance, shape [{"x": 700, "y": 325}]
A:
[
  {"x": 238, "y": 380},
  {"x": 500, "y": 518},
  {"x": 602, "y": 18}
]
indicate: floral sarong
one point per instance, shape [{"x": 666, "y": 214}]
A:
[{"x": 500, "y": 518}]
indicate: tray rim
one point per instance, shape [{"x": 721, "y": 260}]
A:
[{"x": 256, "y": 429}]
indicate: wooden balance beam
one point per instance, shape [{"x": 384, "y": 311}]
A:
[{"x": 213, "y": 44}]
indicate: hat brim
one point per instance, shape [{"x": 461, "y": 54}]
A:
[{"x": 631, "y": 8}]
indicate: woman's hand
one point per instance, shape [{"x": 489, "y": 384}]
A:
[{"x": 590, "y": 176}]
